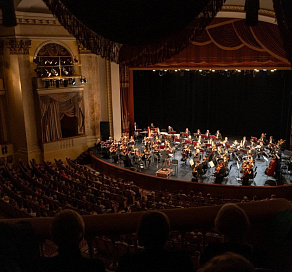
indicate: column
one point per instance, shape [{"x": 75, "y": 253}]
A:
[{"x": 20, "y": 99}]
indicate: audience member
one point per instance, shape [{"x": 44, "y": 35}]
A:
[
  {"x": 233, "y": 223},
  {"x": 67, "y": 232},
  {"x": 153, "y": 232},
  {"x": 228, "y": 262}
]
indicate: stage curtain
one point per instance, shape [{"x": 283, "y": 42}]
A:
[
  {"x": 53, "y": 109},
  {"x": 283, "y": 9},
  {"x": 230, "y": 42},
  {"x": 135, "y": 32},
  {"x": 237, "y": 103}
]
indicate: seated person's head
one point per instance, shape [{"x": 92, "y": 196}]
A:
[
  {"x": 153, "y": 230},
  {"x": 233, "y": 222},
  {"x": 228, "y": 262},
  {"x": 67, "y": 229}
]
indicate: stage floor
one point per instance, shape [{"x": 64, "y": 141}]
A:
[{"x": 184, "y": 171}]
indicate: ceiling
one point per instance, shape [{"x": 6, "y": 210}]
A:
[{"x": 39, "y": 6}]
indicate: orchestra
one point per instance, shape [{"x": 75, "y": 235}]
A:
[{"x": 201, "y": 152}]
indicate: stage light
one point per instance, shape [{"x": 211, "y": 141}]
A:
[
  {"x": 47, "y": 73},
  {"x": 76, "y": 60},
  {"x": 83, "y": 80},
  {"x": 272, "y": 70},
  {"x": 175, "y": 70},
  {"x": 153, "y": 70},
  {"x": 65, "y": 71},
  {"x": 65, "y": 83},
  {"x": 213, "y": 70},
  {"x": 47, "y": 84},
  {"x": 188, "y": 70},
  {"x": 54, "y": 72},
  {"x": 200, "y": 71},
  {"x": 165, "y": 70},
  {"x": 73, "y": 81},
  {"x": 57, "y": 83}
]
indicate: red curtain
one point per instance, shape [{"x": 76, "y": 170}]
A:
[{"x": 231, "y": 43}]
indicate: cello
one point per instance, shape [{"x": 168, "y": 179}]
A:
[{"x": 271, "y": 168}]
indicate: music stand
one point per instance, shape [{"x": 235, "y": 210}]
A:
[
  {"x": 266, "y": 159},
  {"x": 191, "y": 162},
  {"x": 237, "y": 164}
]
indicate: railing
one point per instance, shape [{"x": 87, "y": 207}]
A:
[
  {"x": 156, "y": 183},
  {"x": 261, "y": 214}
]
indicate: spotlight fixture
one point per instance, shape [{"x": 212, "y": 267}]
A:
[
  {"x": 65, "y": 83},
  {"x": 73, "y": 81},
  {"x": 76, "y": 60},
  {"x": 83, "y": 80},
  {"x": 47, "y": 84},
  {"x": 57, "y": 83},
  {"x": 47, "y": 73},
  {"x": 54, "y": 72},
  {"x": 153, "y": 70},
  {"x": 65, "y": 72},
  {"x": 48, "y": 62}
]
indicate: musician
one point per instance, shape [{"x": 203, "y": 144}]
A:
[
  {"x": 243, "y": 142},
  {"x": 271, "y": 140},
  {"x": 218, "y": 135},
  {"x": 207, "y": 133},
  {"x": 187, "y": 131},
  {"x": 170, "y": 128},
  {"x": 263, "y": 138},
  {"x": 226, "y": 141},
  {"x": 197, "y": 134},
  {"x": 221, "y": 171},
  {"x": 135, "y": 127},
  {"x": 152, "y": 125}
]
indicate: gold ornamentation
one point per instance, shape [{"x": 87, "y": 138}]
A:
[
  {"x": 263, "y": 12},
  {"x": 18, "y": 47},
  {"x": 82, "y": 49}
]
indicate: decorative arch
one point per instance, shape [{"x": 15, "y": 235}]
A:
[{"x": 44, "y": 44}]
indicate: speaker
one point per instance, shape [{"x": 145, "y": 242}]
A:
[{"x": 104, "y": 130}]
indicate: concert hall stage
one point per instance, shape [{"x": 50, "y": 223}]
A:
[{"x": 184, "y": 171}]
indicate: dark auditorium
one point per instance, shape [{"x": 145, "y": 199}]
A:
[{"x": 145, "y": 136}]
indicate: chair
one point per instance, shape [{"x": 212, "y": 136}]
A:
[{"x": 174, "y": 165}]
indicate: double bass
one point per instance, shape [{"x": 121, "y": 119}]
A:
[{"x": 271, "y": 168}]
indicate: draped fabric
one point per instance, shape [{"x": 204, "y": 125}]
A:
[
  {"x": 283, "y": 10},
  {"x": 231, "y": 43},
  {"x": 53, "y": 109},
  {"x": 135, "y": 32},
  {"x": 124, "y": 85}
]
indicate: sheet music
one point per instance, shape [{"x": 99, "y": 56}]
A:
[
  {"x": 211, "y": 164},
  {"x": 191, "y": 162}
]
